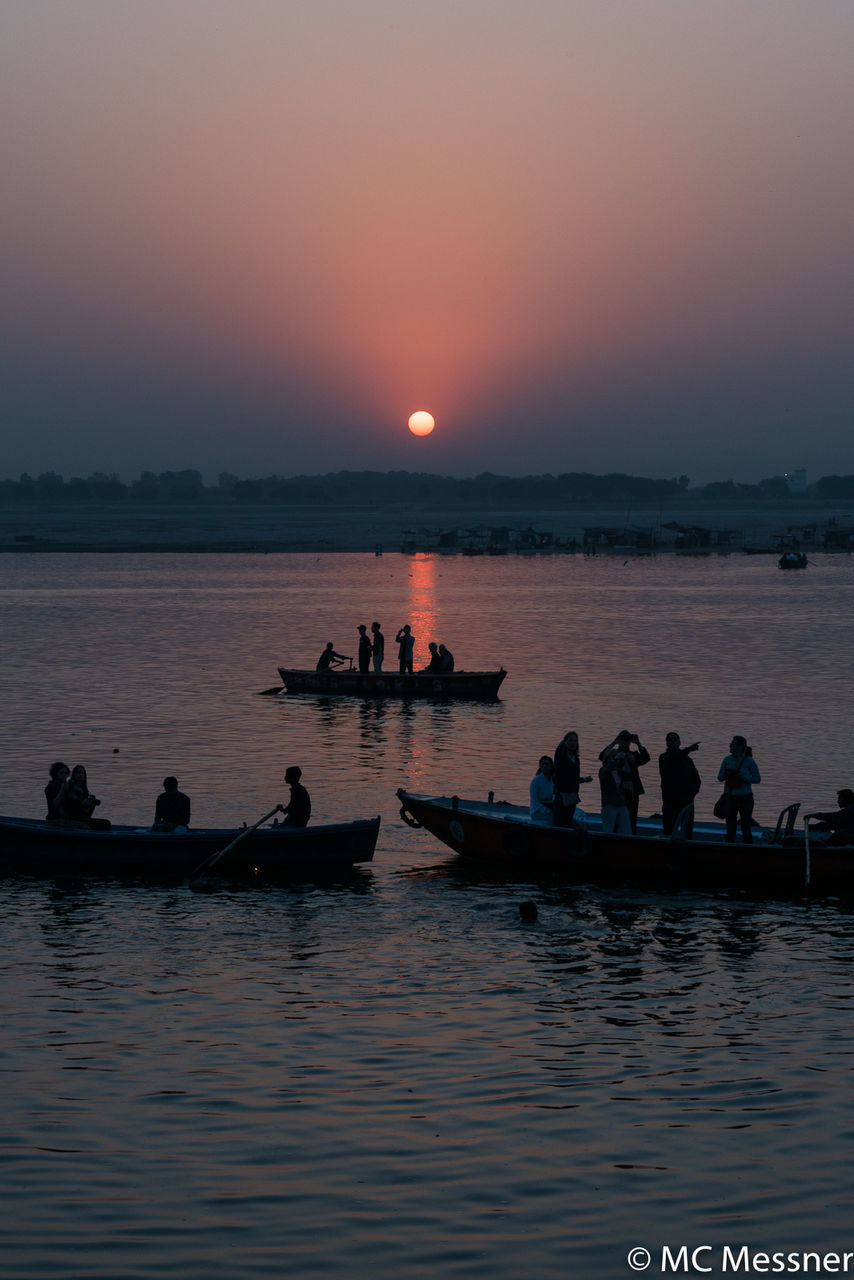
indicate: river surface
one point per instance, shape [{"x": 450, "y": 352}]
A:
[{"x": 391, "y": 1074}]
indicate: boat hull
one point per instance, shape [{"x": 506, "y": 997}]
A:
[
  {"x": 373, "y": 684},
  {"x": 268, "y": 853},
  {"x": 502, "y": 835}
]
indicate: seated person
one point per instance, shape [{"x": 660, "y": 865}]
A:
[
  {"x": 541, "y": 792},
  {"x": 59, "y": 773},
  {"x": 76, "y": 803},
  {"x": 329, "y": 658},
  {"x": 446, "y": 659},
  {"x": 435, "y": 663},
  {"x": 840, "y": 822},
  {"x": 298, "y": 809},
  {"x": 172, "y": 808}
]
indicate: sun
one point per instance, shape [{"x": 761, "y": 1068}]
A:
[{"x": 421, "y": 423}]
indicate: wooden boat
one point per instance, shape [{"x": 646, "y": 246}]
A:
[
  {"x": 266, "y": 853},
  {"x": 792, "y": 560},
  {"x": 501, "y": 835},
  {"x": 390, "y": 684}
]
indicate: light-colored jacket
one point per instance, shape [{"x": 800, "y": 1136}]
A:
[{"x": 748, "y": 770}]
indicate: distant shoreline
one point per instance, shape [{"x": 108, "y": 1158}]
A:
[{"x": 217, "y": 530}]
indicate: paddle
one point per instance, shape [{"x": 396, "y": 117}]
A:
[{"x": 214, "y": 858}]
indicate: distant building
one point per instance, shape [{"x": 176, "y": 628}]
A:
[{"x": 796, "y": 481}]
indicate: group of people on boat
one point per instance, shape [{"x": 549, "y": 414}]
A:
[
  {"x": 371, "y": 653},
  {"x": 554, "y": 790},
  {"x": 70, "y": 803}
]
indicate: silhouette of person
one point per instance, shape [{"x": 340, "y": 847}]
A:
[
  {"x": 680, "y": 782},
  {"x": 567, "y": 779},
  {"x": 633, "y": 762},
  {"x": 841, "y": 821},
  {"x": 59, "y": 773},
  {"x": 615, "y": 785},
  {"x": 541, "y": 792},
  {"x": 171, "y": 808},
  {"x": 298, "y": 809},
  {"x": 447, "y": 660},
  {"x": 76, "y": 801},
  {"x": 435, "y": 663},
  {"x": 329, "y": 658},
  {"x": 378, "y": 646},
  {"x": 738, "y": 772},
  {"x": 365, "y": 649},
  {"x": 405, "y": 641}
]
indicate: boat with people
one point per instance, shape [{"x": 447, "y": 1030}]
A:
[
  {"x": 392, "y": 684},
  {"x": 500, "y": 835},
  {"x": 255, "y": 853}
]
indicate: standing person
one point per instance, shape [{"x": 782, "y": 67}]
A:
[
  {"x": 171, "y": 808},
  {"x": 739, "y": 773},
  {"x": 59, "y": 773},
  {"x": 567, "y": 779},
  {"x": 298, "y": 809},
  {"x": 378, "y": 646},
  {"x": 614, "y": 784},
  {"x": 680, "y": 782},
  {"x": 634, "y": 760},
  {"x": 541, "y": 792},
  {"x": 405, "y": 641},
  {"x": 446, "y": 660},
  {"x": 365, "y": 649}
]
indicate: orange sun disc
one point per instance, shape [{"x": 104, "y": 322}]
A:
[{"x": 421, "y": 423}]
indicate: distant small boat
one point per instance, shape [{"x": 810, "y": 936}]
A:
[
  {"x": 373, "y": 684},
  {"x": 47, "y": 848},
  {"x": 793, "y": 560}
]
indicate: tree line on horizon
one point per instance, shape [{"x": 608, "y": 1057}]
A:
[{"x": 385, "y": 488}]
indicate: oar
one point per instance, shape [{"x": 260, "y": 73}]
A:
[{"x": 214, "y": 858}]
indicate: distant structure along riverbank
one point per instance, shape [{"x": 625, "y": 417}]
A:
[{"x": 402, "y": 511}]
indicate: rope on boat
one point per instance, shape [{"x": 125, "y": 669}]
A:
[{"x": 408, "y": 818}]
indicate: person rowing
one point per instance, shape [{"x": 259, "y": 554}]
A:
[
  {"x": 839, "y": 822},
  {"x": 329, "y": 658}
]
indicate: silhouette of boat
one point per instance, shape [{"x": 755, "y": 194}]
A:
[
  {"x": 502, "y": 835},
  {"x": 390, "y": 684},
  {"x": 39, "y": 848},
  {"x": 792, "y": 560}
]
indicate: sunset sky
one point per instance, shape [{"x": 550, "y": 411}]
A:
[{"x": 587, "y": 235}]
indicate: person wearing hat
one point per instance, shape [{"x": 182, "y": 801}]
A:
[{"x": 624, "y": 742}]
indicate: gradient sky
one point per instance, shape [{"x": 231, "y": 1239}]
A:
[{"x": 587, "y": 235}]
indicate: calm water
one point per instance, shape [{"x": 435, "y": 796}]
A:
[{"x": 393, "y": 1075}]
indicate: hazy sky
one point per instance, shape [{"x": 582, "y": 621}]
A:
[{"x": 587, "y": 235}]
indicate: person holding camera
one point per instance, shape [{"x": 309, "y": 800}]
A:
[
  {"x": 405, "y": 642},
  {"x": 76, "y": 802},
  {"x": 634, "y": 761}
]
